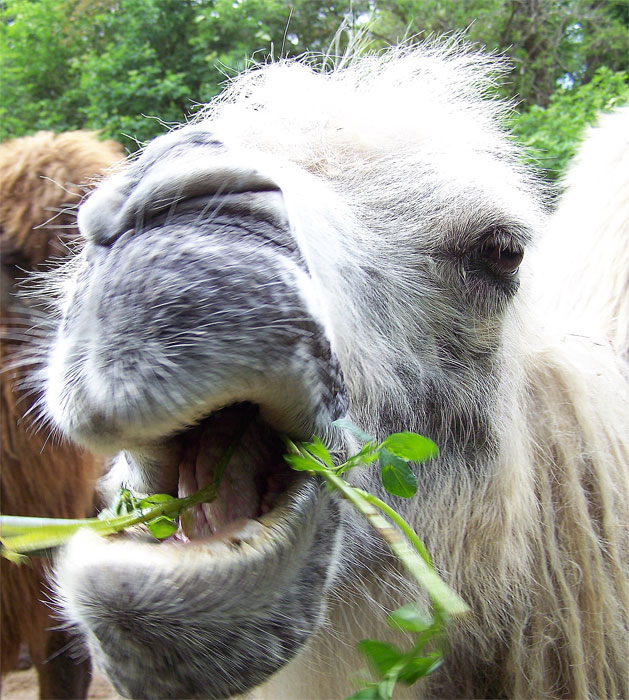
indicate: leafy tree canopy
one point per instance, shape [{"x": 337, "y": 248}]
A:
[
  {"x": 111, "y": 64},
  {"x": 551, "y": 134},
  {"x": 107, "y": 64},
  {"x": 546, "y": 41}
]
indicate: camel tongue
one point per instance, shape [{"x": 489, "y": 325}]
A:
[{"x": 238, "y": 495}]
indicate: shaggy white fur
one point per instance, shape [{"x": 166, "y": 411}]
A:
[
  {"x": 404, "y": 202},
  {"x": 588, "y": 236}
]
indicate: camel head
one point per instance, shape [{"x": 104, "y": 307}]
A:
[{"x": 315, "y": 245}]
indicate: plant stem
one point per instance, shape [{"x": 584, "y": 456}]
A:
[
  {"x": 30, "y": 535},
  {"x": 12, "y": 525},
  {"x": 438, "y": 590},
  {"x": 400, "y": 522},
  {"x": 24, "y": 535},
  {"x": 415, "y": 557}
]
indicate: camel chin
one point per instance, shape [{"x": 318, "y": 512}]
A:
[{"x": 146, "y": 605}]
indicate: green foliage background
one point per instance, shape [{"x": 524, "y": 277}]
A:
[{"x": 131, "y": 67}]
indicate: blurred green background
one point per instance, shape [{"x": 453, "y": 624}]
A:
[{"x": 131, "y": 68}]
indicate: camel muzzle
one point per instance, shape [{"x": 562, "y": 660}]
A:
[{"x": 149, "y": 355}]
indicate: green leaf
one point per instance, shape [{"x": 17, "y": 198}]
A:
[
  {"x": 155, "y": 499},
  {"x": 419, "y": 667},
  {"x": 303, "y": 464},
  {"x": 385, "y": 688},
  {"x": 121, "y": 502},
  {"x": 381, "y": 655},
  {"x": 411, "y": 447},
  {"x": 369, "y": 453},
  {"x": 410, "y": 618},
  {"x": 369, "y": 449},
  {"x": 346, "y": 424},
  {"x": 125, "y": 501},
  {"x": 397, "y": 477},
  {"x": 162, "y": 527},
  {"x": 317, "y": 448}
]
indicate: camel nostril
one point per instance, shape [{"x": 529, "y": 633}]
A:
[{"x": 243, "y": 327}]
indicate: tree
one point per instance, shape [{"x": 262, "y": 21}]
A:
[
  {"x": 107, "y": 64},
  {"x": 36, "y": 69},
  {"x": 110, "y": 64},
  {"x": 551, "y": 134},
  {"x": 569, "y": 60},
  {"x": 545, "y": 40}
]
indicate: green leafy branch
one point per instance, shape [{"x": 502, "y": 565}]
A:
[
  {"x": 393, "y": 454},
  {"x": 21, "y": 536},
  {"x": 35, "y": 536}
]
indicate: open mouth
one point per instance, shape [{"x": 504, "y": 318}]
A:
[
  {"x": 235, "y": 449},
  {"x": 254, "y": 564}
]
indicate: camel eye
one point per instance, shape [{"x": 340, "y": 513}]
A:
[{"x": 501, "y": 254}]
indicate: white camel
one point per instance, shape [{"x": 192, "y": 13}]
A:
[{"x": 320, "y": 243}]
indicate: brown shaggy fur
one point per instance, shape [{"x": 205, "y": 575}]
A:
[{"x": 40, "y": 182}]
